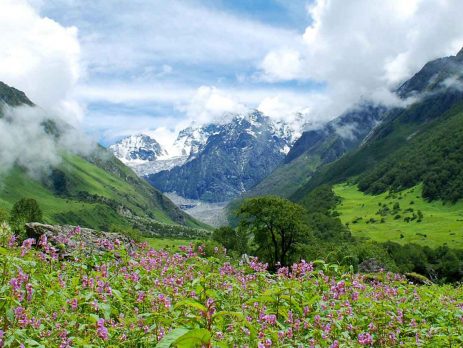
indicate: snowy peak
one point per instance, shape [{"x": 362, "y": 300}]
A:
[
  {"x": 136, "y": 149},
  {"x": 236, "y": 132},
  {"x": 190, "y": 141}
]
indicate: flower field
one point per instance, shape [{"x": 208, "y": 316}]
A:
[{"x": 151, "y": 298}]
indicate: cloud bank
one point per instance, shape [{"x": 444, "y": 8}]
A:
[
  {"x": 26, "y": 142},
  {"x": 363, "y": 49},
  {"x": 40, "y": 57}
]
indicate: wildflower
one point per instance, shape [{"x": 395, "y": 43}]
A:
[
  {"x": 101, "y": 330},
  {"x": 26, "y": 246},
  {"x": 365, "y": 339},
  {"x": 29, "y": 292},
  {"x": 12, "y": 241},
  {"x": 74, "y": 304}
]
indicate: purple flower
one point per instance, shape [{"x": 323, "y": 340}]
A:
[
  {"x": 101, "y": 330},
  {"x": 365, "y": 339},
  {"x": 26, "y": 246}
]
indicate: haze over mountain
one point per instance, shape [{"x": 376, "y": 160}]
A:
[{"x": 75, "y": 182}]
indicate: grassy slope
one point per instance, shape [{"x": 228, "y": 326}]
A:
[
  {"x": 441, "y": 224},
  {"x": 110, "y": 189},
  {"x": 403, "y": 130},
  {"x": 285, "y": 180}
]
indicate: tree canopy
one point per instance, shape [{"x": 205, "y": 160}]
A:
[
  {"x": 276, "y": 225},
  {"x": 23, "y": 211}
]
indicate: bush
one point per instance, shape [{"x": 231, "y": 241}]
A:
[{"x": 25, "y": 210}]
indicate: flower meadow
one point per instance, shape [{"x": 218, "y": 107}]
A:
[{"x": 140, "y": 297}]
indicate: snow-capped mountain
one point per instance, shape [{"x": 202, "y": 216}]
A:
[
  {"x": 226, "y": 159},
  {"x": 146, "y": 156},
  {"x": 137, "y": 149}
]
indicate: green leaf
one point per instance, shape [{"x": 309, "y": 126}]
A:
[
  {"x": 33, "y": 343},
  {"x": 193, "y": 339},
  {"x": 171, "y": 337},
  {"x": 192, "y": 304}
]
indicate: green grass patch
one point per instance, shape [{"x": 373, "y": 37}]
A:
[
  {"x": 395, "y": 217},
  {"x": 167, "y": 243}
]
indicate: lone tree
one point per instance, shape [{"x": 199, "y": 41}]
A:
[
  {"x": 234, "y": 240},
  {"x": 277, "y": 226},
  {"x": 23, "y": 211}
]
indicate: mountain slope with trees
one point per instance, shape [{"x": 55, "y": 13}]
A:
[{"x": 420, "y": 143}]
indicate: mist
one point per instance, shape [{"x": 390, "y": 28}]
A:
[{"x": 35, "y": 140}]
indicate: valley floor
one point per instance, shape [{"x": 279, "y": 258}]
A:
[
  {"x": 213, "y": 214},
  {"x": 384, "y": 217},
  {"x": 196, "y": 298}
]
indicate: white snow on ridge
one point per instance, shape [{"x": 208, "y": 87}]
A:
[{"x": 146, "y": 156}]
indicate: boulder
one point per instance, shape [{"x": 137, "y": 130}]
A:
[{"x": 71, "y": 238}]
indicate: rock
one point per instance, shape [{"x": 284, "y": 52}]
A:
[
  {"x": 416, "y": 278},
  {"x": 71, "y": 238},
  {"x": 371, "y": 266}
]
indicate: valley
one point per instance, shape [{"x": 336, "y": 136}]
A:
[
  {"x": 218, "y": 174},
  {"x": 395, "y": 217}
]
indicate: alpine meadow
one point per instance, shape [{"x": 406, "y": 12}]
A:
[{"x": 201, "y": 174}]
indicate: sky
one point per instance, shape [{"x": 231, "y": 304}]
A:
[{"x": 118, "y": 67}]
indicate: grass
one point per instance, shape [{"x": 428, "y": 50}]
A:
[
  {"x": 107, "y": 190},
  {"x": 167, "y": 243},
  {"x": 442, "y": 224}
]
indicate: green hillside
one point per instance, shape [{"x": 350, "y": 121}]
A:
[
  {"x": 401, "y": 217},
  {"x": 96, "y": 191},
  {"x": 278, "y": 182},
  {"x": 81, "y": 193},
  {"x": 418, "y": 143}
]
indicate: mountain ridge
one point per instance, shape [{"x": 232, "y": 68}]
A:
[
  {"x": 95, "y": 190},
  {"x": 233, "y": 159}
]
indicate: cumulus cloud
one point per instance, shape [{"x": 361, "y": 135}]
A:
[
  {"x": 40, "y": 57},
  {"x": 210, "y": 104},
  {"x": 281, "y": 109},
  {"x": 26, "y": 142},
  {"x": 364, "y": 49},
  {"x": 282, "y": 65}
]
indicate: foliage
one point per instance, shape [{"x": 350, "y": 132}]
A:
[
  {"x": 154, "y": 298},
  {"x": 402, "y": 217},
  {"x": 321, "y": 215},
  {"x": 25, "y": 210},
  {"x": 434, "y": 158},
  {"x": 277, "y": 227},
  {"x": 232, "y": 239},
  {"x": 4, "y": 215}
]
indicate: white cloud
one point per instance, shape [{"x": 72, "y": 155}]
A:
[
  {"x": 364, "y": 48},
  {"x": 280, "y": 109},
  {"x": 39, "y": 56},
  {"x": 210, "y": 104},
  {"x": 134, "y": 34},
  {"x": 25, "y": 142},
  {"x": 282, "y": 65}
]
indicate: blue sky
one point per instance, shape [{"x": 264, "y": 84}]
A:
[
  {"x": 176, "y": 47},
  {"x": 119, "y": 67}
]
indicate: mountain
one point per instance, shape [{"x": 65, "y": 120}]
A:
[
  {"x": 317, "y": 147},
  {"x": 418, "y": 144},
  {"x": 13, "y": 97},
  {"x": 94, "y": 190},
  {"x": 138, "y": 148},
  {"x": 227, "y": 159}
]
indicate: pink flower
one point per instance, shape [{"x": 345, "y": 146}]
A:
[
  {"x": 12, "y": 241},
  {"x": 101, "y": 330},
  {"x": 365, "y": 339},
  {"x": 27, "y": 245}
]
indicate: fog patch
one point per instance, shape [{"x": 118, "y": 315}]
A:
[{"x": 35, "y": 140}]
